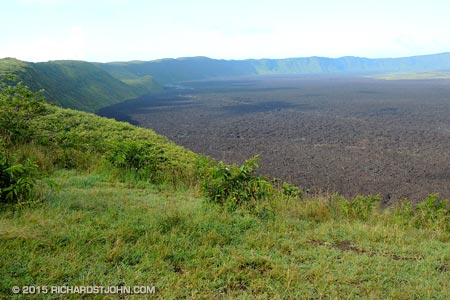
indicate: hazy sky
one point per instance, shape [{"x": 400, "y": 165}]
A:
[{"x": 122, "y": 30}]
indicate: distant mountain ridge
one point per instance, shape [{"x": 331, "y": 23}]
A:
[
  {"x": 191, "y": 68},
  {"x": 90, "y": 86}
]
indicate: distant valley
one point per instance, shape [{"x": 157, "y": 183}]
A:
[
  {"x": 346, "y": 134},
  {"x": 90, "y": 86},
  {"x": 192, "y": 68},
  {"x": 352, "y": 125}
]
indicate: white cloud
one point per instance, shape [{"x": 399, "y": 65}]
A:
[
  {"x": 109, "y": 30},
  {"x": 70, "y": 45}
]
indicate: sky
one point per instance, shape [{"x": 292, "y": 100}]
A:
[{"x": 124, "y": 30}]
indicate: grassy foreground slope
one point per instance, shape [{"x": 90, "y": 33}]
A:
[
  {"x": 76, "y": 84},
  {"x": 98, "y": 232},
  {"x": 117, "y": 205}
]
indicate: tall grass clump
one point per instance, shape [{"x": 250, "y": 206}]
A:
[
  {"x": 360, "y": 207},
  {"x": 432, "y": 213}
]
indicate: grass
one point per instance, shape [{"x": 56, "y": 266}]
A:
[
  {"x": 96, "y": 231},
  {"x": 116, "y": 205}
]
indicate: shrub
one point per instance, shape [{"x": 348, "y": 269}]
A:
[
  {"x": 360, "y": 207},
  {"x": 432, "y": 212},
  {"x": 292, "y": 190},
  {"x": 404, "y": 212},
  {"x": 142, "y": 158},
  {"x": 233, "y": 186},
  {"x": 18, "y": 106},
  {"x": 17, "y": 181}
]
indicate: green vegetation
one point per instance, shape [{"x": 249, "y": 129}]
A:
[
  {"x": 17, "y": 181},
  {"x": 76, "y": 84},
  {"x": 90, "y": 86},
  {"x": 98, "y": 232},
  {"x": 142, "y": 84},
  {"x": 92, "y": 201},
  {"x": 235, "y": 187},
  {"x": 56, "y": 138}
]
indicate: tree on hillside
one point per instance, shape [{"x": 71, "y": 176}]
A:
[{"x": 18, "y": 105}]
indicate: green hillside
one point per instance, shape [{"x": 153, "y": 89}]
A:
[
  {"x": 142, "y": 84},
  {"x": 76, "y": 84},
  {"x": 173, "y": 70},
  {"x": 191, "y": 68},
  {"x": 90, "y": 86},
  {"x": 88, "y": 201}
]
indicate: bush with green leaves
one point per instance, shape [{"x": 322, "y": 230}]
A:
[
  {"x": 292, "y": 190},
  {"x": 18, "y": 106},
  {"x": 403, "y": 212},
  {"x": 142, "y": 158},
  {"x": 17, "y": 180},
  {"x": 433, "y": 212},
  {"x": 360, "y": 207},
  {"x": 234, "y": 187}
]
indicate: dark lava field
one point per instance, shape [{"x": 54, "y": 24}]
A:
[{"x": 351, "y": 135}]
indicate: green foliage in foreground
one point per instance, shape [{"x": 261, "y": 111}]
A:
[
  {"x": 141, "y": 157},
  {"x": 234, "y": 187},
  {"x": 17, "y": 181},
  {"x": 127, "y": 207},
  {"x": 55, "y": 138},
  {"x": 18, "y": 106},
  {"x": 98, "y": 232}
]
